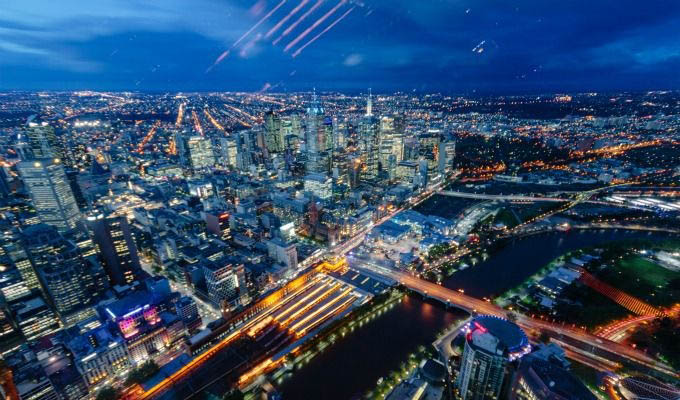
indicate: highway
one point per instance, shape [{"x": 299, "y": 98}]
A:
[{"x": 457, "y": 299}]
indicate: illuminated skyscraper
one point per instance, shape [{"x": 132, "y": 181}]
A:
[
  {"x": 50, "y": 192},
  {"x": 117, "y": 246},
  {"x": 447, "y": 153},
  {"x": 369, "y": 143},
  {"x": 491, "y": 345},
  {"x": 70, "y": 276},
  {"x": 317, "y": 141},
  {"x": 273, "y": 135},
  {"x": 43, "y": 141},
  {"x": 201, "y": 152}
]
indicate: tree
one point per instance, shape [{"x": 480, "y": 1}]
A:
[
  {"x": 233, "y": 394},
  {"x": 544, "y": 337},
  {"x": 141, "y": 374},
  {"x": 107, "y": 393}
]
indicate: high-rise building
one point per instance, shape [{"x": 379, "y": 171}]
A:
[
  {"x": 71, "y": 280},
  {"x": 70, "y": 288},
  {"x": 227, "y": 152},
  {"x": 35, "y": 319},
  {"x": 117, "y": 246},
  {"x": 50, "y": 192},
  {"x": 201, "y": 153},
  {"x": 317, "y": 138},
  {"x": 369, "y": 146},
  {"x": 283, "y": 252},
  {"x": 447, "y": 153},
  {"x": 15, "y": 251},
  {"x": 428, "y": 148},
  {"x": 492, "y": 345},
  {"x": 42, "y": 141},
  {"x": 273, "y": 135}
]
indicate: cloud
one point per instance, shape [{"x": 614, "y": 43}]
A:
[{"x": 352, "y": 60}]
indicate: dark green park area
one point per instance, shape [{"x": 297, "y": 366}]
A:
[{"x": 643, "y": 278}]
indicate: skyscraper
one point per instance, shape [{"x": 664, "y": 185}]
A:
[
  {"x": 117, "y": 246},
  {"x": 316, "y": 143},
  {"x": 447, "y": 153},
  {"x": 68, "y": 276},
  {"x": 201, "y": 152},
  {"x": 491, "y": 345},
  {"x": 50, "y": 192},
  {"x": 369, "y": 145},
  {"x": 42, "y": 141},
  {"x": 273, "y": 135}
]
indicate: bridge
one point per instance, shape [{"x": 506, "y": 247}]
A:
[
  {"x": 484, "y": 196},
  {"x": 587, "y": 344}
]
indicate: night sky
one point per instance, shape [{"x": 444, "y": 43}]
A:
[{"x": 451, "y": 46}]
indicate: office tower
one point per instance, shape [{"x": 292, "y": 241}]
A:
[
  {"x": 428, "y": 148},
  {"x": 369, "y": 143},
  {"x": 201, "y": 153},
  {"x": 187, "y": 309},
  {"x": 34, "y": 318},
  {"x": 273, "y": 135},
  {"x": 340, "y": 135},
  {"x": 70, "y": 280},
  {"x": 399, "y": 133},
  {"x": 225, "y": 281},
  {"x": 317, "y": 144},
  {"x": 227, "y": 152},
  {"x": 492, "y": 344},
  {"x": 447, "y": 153},
  {"x": 42, "y": 141},
  {"x": 14, "y": 249},
  {"x": 117, "y": 247},
  {"x": 319, "y": 185},
  {"x": 50, "y": 192},
  {"x": 70, "y": 288}
]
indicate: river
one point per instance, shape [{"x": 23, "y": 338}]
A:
[{"x": 354, "y": 364}]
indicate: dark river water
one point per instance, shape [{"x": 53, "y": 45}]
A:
[{"x": 354, "y": 364}]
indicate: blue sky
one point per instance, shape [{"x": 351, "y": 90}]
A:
[{"x": 455, "y": 46}]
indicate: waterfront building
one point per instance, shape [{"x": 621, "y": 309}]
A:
[
  {"x": 540, "y": 379},
  {"x": 492, "y": 345}
]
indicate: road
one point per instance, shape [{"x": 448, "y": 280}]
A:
[
  {"x": 457, "y": 299},
  {"x": 483, "y": 196}
]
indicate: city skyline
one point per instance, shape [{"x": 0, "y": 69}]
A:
[{"x": 339, "y": 200}]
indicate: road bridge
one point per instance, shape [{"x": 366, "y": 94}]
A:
[{"x": 598, "y": 347}]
